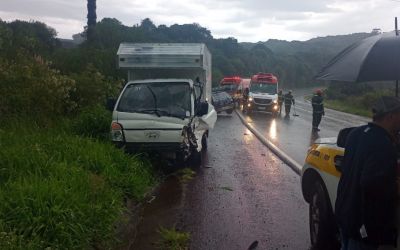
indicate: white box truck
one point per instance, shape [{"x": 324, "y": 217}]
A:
[{"x": 164, "y": 106}]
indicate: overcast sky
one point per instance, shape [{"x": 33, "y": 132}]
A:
[{"x": 246, "y": 20}]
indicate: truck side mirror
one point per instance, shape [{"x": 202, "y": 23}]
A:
[
  {"x": 202, "y": 109},
  {"x": 342, "y": 136},
  {"x": 110, "y": 104}
]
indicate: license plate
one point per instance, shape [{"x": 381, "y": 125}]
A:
[{"x": 261, "y": 108}]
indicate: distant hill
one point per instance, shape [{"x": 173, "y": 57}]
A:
[
  {"x": 327, "y": 44},
  {"x": 314, "y": 53}
]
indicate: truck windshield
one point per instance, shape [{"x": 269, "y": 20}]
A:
[
  {"x": 160, "y": 98},
  {"x": 270, "y": 88}
]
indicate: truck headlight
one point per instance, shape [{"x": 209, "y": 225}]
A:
[
  {"x": 250, "y": 99},
  {"x": 116, "y": 132},
  {"x": 275, "y": 101}
]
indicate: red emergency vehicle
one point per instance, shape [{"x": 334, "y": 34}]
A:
[
  {"x": 263, "y": 94},
  {"x": 234, "y": 86}
]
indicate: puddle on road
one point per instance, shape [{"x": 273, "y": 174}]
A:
[{"x": 163, "y": 210}]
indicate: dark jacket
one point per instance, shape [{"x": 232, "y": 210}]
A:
[
  {"x": 317, "y": 104},
  {"x": 367, "y": 191},
  {"x": 289, "y": 99},
  {"x": 280, "y": 98}
]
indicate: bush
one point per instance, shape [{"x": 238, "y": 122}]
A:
[
  {"x": 92, "y": 88},
  {"x": 32, "y": 88},
  {"x": 61, "y": 191},
  {"x": 94, "y": 122}
]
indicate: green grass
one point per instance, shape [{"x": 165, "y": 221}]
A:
[
  {"x": 348, "y": 107},
  {"x": 186, "y": 175},
  {"x": 60, "y": 190},
  {"x": 171, "y": 239}
]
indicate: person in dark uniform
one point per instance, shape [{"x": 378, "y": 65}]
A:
[
  {"x": 280, "y": 101},
  {"x": 366, "y": 200},
  {"x": 318, "y": 109},
  {"x": 289, "y": 100},
  {"x": 245, "y": 99},
  {"x": 246, "y": 94}
]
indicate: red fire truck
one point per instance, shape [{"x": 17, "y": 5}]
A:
[{"x": 234, "y": 86}]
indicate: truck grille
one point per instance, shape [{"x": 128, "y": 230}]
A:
[{"x": 262, "y": 101}]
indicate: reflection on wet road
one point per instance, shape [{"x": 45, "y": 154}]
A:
[
  {"x": 244, "y": 193},
  {"x": 293, "y": 134}
]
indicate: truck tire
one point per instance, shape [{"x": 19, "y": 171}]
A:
[
  {"x": 195, "y": 159},
  {"x": 323, "y": 231},
  {"x": 204, "y": 143}
]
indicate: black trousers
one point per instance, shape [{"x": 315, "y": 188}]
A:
[
  {"x": 287, "y": 108},
  {"x": 316, "y": 119}
]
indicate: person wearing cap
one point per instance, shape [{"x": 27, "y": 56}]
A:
[
  {"x": 366, "y": 200},
  {"x": 280, "y": 101},
  {"x": 289, "y": 100},
  {"x": 318, "y": 109}
]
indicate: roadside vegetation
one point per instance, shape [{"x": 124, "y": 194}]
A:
[
  {"x": 355, "y": 98},
  {"x": 171, "y": 239},
  {"x": 61, "y": 190},
  {"x": 62, "y": 183}
]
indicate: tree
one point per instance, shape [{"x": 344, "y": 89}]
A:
[
  {"x": 91, "y": 16},
  {"x": 147, "y": 25}
]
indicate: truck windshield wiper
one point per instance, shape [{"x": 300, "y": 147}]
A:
[
  {"x": 154, "y": 96},
  {"x": 158, "y": 112},
  {"x": 147, "y": 111},
  {"x": 167, "y": 113},
  {"x": 174, "y": 115}
]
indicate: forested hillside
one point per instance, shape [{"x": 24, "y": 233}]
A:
[{"x": 295, "y": 62}]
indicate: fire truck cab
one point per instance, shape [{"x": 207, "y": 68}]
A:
[
  {"x": 234, "y": 86},
  {"x": 262, "y": 94}
]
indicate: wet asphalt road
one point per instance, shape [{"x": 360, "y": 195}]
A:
[
  {"x": 293, "y": 134},
  {"x": 243, "y": 193}
]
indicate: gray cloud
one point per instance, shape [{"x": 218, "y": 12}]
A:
[{"x": 246, "y": 20}]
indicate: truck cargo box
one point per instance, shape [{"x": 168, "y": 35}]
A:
[{"x": 167, "y": 60}]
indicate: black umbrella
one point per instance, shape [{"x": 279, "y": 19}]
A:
[{"x": 376, "y": 58}]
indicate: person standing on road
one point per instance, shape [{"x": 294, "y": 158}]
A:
[
  {"x": 318, "y": 109},
  {"x": 289, "y": 100},
  {"x": 280, "y": 101},
  {"x": 366, "y": 200}
]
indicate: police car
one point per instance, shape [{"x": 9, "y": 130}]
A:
[{"x": 319, "y": 181}]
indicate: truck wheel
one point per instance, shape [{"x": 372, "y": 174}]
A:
[
  {"x": 204, "y": 143},
  {"x": 323, "y": 232},
  {"x": 195, "y": 159},
  {"x": 229, "y": 111}
]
